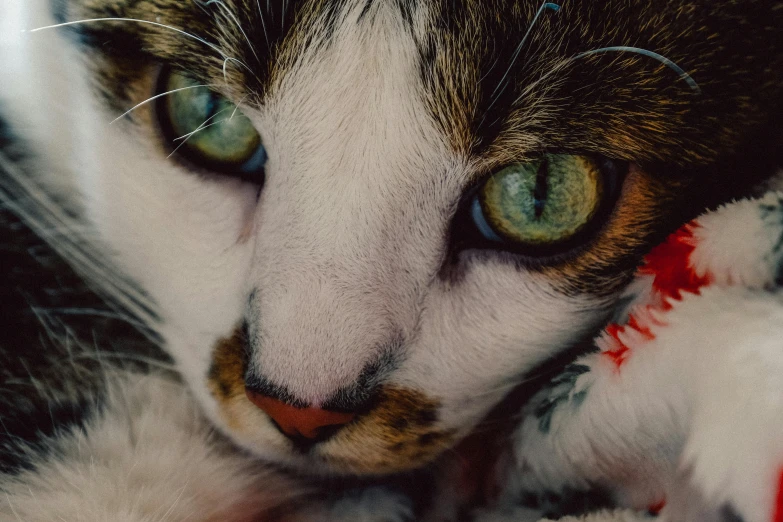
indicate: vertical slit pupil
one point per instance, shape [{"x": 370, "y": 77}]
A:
[
  {"x": 211, "y": 105},
  {"x": 541, "y": 188}
]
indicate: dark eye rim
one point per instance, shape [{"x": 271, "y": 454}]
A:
[
  {"x": 465, "y": 236},
  {"x": 190, "y": 157}
]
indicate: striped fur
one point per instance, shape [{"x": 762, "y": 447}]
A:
[{"x": 341, "y": 283}]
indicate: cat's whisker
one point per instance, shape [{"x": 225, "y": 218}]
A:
[
  {"x": 109, "y": 314},
  {"x": 241, "y": 64},
  {"x": 239, "y": 103},
  {"x": 50, "y": 222},
  {"x": 503, "y": 84},
  {"x": 266, "y": 34},
  {"x": 153, "y": 98},
  {"x": 534, "y": 86},
  {"x": 97, "y": 355},
  {"x": 136, "y": 20},
  {"x": 223, "y": 54},
  {"x": 176, "y": 502},
  {"x": 203, "y": 126},
  {"x": 687, "y": 78},
  {"x": 227, "y": 12},
  {"x": 8, "y": 498},
  {"x": 263, "y": 24},
  {"x": 198, "y": 129}
]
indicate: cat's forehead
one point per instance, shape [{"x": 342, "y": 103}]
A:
[
  {"x": 662, "y": 83},
  {"x": 501, "y": 77}
]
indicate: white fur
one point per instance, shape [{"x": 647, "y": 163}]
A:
[
  {"x": 343, "y": 253},
  {"x": 346, "y": 240},
  {"x": 149, "y": 457}
]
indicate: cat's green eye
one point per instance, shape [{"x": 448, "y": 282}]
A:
[
  {"x": 542, "y": 203},
  {"x": 208, "y": 129}
]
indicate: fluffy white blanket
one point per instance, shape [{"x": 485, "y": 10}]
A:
[{"x": 678, "y": 414}]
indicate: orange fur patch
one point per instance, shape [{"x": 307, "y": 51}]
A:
[
  {"x": 399, "y": 433},
  {"x": 226, "y": 376}
]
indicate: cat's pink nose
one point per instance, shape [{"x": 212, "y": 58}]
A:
[{"x": 310, "y": 423}]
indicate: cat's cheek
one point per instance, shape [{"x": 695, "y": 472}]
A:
[{"x": 186, "y": 240}]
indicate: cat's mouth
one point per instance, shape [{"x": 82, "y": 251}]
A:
[{"x": 399, "y": 431}]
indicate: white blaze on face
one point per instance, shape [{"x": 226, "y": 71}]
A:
[
  {"x": 344, "y": 248},
  {"x": 352, "y": 230},
  {"x": 351, "y": 223}
]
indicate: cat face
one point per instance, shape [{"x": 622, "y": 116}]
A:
[{"x": 347, "y": 237}]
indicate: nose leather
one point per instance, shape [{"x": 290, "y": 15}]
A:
[{"x": 298, "y": 422}]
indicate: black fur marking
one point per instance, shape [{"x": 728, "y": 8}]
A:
[
  {"x": 406, "y": 8},
  {"x": 568, "y": 502},
  {"x": 29, "y": 433},
  {"x": 560, "y": 392},
  {"x": 357, "y": 397},
  {"x": 426, "y": 439},
  {"x": 9, "y": 146},
  {"x": 425, "y": 418},
  {"x": 57, "y": 338},
  {"x": 368, "y": 4},
  {"x": 263, "y": 386},
  {"x": 102, "y": 36},
  {"x": 400, "y": 424},
  {"x": 591, "y": 101},
  {"x": 145, "y": 43},
  {"x": 730, "y": 515},
  {"x": 774, "y": 213},
  {"x": 505, "y": 108}
]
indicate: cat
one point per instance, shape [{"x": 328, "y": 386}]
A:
[{"x": 356, "y": 226}]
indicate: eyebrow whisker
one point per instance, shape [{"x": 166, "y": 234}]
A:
[
  {"x": 231, "y": 15},
  {"x": 558, "y": 67},
  {"x": 263, "y": 24},
  {"x": 687, "y": 78},
  {"x": 137, "y": 20},
  {"x": 283, "y": 14},
  {"x": 212, "y": 46},
  {"x": 236, "y": 108},
  {"x": 502, "y": 84}
]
